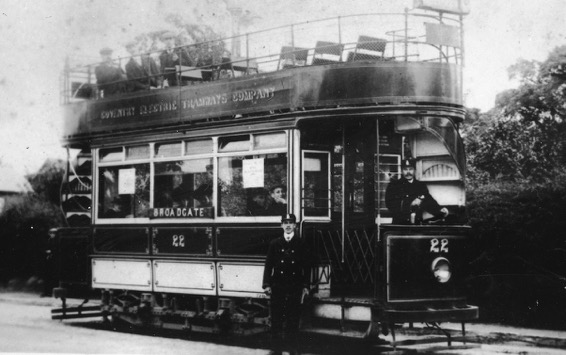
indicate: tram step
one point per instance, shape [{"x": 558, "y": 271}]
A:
[
  {"x": 358, "y": 301},
  {"x": 76, "y": 312}
]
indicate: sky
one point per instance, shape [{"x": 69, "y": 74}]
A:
[{"x": 37, "y": 36}]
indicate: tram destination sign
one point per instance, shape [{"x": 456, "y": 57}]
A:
[{"x": 181, "y": 212}]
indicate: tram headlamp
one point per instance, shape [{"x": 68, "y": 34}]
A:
[{"x": 441, "y": 269}]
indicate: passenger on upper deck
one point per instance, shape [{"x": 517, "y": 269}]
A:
[
  {"x": 141, "y": 70},
  {"x": 170, "y": 58},
  {"x": 109, "y": 77},
  {"x": 407, "y": 198}
]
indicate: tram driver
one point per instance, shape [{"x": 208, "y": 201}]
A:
[{"x": 407, "y": 198}]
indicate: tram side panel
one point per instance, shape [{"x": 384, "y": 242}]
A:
[
  {"x": 72, "y": 266},
  {"x": 225, "y": 261}
]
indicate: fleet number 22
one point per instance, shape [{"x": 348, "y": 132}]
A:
[
  {"x": 439, "y": 246},
  {"x": 179, "y": 241}
]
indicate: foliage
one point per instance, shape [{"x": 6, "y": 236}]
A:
[
  {"x": 23, "y": 226},
  {"x": 517, "y": 197},
  {"x": 47, "y": 181},
  {"x": 202, "y": 43},
  {"x": 524, "y": 136},
  {"x": 25, "y": 221},
  {"x": 518, "y": 275},
  {"x": 504, "y": 149}
]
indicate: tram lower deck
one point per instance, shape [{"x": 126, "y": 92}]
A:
[{"x": 163, "y": 251}]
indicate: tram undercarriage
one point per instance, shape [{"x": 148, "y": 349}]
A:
[
  {"x": 360, "y": 318},
  {"x": 186, "y": 312}
]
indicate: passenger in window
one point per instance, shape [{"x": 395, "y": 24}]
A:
[
  {"x": 203, "y": 196},
  {"x": 203, "y": 193},
  {"x": 170, "y": 58},
  {"x": 277, "y": 203},
  {"x": 141, "y": 70},
  {"x": 117, "y": 209},
  {"x": 407, "y": 198},
  {"x": 175, "y": 193},
  {"x": 257, "y": 202},
  {"x": 109, "y": 76},
  {"x": 180, "y": 193}
]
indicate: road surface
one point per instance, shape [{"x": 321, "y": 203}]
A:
[{"x": 26, "y": 327}]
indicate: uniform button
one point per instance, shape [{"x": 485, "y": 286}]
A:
[
  {"x": 282, "y": 260},
  {"x": 292, "y": 262},
  {"x": 292, "y": 251}
]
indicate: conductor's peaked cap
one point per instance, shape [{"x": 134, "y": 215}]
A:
[
  {"x": 289, "y": 217},
  {"x": 408, "y": 163}
]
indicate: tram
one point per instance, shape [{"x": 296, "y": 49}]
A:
[{"x": 169, "y": 200}]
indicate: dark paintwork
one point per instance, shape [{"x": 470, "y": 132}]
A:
[{"x": 359, "y": 83}]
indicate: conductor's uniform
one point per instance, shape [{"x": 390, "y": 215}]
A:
[{"x": 286, "y": 278}]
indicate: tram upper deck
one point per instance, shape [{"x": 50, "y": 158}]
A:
[{"x": 352, "y": 61}]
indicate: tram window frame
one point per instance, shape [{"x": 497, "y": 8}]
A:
[
  {"x": 169, "y": 151},
  {"x": 194, "y": 187},
  {"x": 239, "y": 153},
  {"x": 116, "y": 157},
  {"x": 110, "y": 154},
  {"x": 329, "y": 196}
]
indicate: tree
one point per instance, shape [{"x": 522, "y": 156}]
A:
[
  {"x": 47, "y": 181},
  {"x": 203, "y": 43},
  {"x": 516, "y": 196},
  {"x": 25, "y": 221},
  {"x": 524, "y": 136},
  {"x": 540, "y": 101}
]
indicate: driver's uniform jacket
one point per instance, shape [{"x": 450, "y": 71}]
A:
[
  {"x": 401, "y": 193},
  {"x": 287, "y": 264}
]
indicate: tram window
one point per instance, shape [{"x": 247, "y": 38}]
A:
[
  {"x": 198, "y": 147},
  {"x": 272, "y": 140},
  {"x": 435, "y": 144},
  {"x": 428, "y": 145},
  {"x": 168, "y": 150},
  {"x": 184, "y": 183},
  {"x": 111, "y": 154},
  {"x": 316, "y": 189},
  {"x": 234, "y": 144},
  {"x": 137, "y": 152},
  {"x": 251, "y": 185},
  {"x": 124, "y": 191}
]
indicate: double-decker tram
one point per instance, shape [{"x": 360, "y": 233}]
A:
[{"x": 177, "y": 191}]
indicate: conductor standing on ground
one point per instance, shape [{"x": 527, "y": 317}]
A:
[{"x": 286, "y": 279}]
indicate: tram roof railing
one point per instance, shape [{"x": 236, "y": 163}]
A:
[{"x": 408, "y": 37}]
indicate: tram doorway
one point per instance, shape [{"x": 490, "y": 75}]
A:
[
  {"x": 349, "y": 241},
  {"x": 359, "y": 169}
]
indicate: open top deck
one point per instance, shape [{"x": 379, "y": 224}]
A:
[{"x": 370, "y": 59}]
